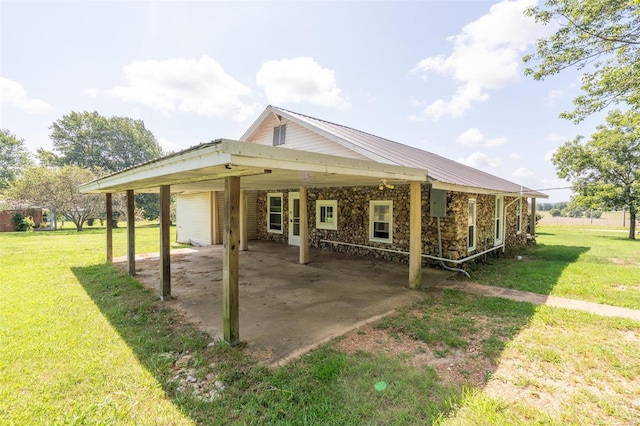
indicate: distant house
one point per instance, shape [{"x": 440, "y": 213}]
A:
[
  {"x": 6, "y": 217},
  {"x": 475, "y": 211}
]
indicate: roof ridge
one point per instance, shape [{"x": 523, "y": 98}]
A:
[{"x": 341, "y": 125}]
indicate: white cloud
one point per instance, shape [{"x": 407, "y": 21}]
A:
[
  {"x": 554, "y": 137},
  {"x": 480, "y": 160},
  {"x": 548, "y": 156},
  {"x": 553, "y": 96},
  {"x": 12, "y": 92},
  {"x": 515, "y": 156},
  {"x": 168, "y": 145},
  {"x": 522, "y": 173},
  {"x": 487, "y": 55},
  {"x": 186, "y": 85},
  {"x": 474, "y": 137},
  {"x": 299, "y": 80}
]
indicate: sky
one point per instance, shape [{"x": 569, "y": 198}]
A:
[{"x": 443, "y": 76}]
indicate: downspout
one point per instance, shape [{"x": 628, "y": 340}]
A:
[{"x": 440, "y": 254}]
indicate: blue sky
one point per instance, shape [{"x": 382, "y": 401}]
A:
[{"x": 444, "y": 76}]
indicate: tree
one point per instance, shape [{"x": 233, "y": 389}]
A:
[
  {"x": 104, "y": 144},
  {"x": 606, "y": 169},
  {"x": 601, "y": 38},
  {"x": 110, "y": 144},
  {"x": 57, "y": 190},
  {"x": 14, "y": 157},
  {"x": 555, "y": 212}
]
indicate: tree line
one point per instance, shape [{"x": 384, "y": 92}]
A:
[{"x": 86, "y": 146}]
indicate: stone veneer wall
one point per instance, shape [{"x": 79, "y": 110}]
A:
[{"x": 353, "y": 221}]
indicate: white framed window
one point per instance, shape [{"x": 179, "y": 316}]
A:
[
  {"x": 381, "y": 221},
  {"x": 279, "y": 134},
  {"x": 498, "y": 221},
  {"x": 327, "y": 214},
  {"x": 519, "y": 216},
  {"x": 471, "y": 222},
  {"x": 274, "y": 213}
]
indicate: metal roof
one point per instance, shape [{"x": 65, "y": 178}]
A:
[
  {"x": 203, "y": 167},
  {"x": 442, "y": 171}
]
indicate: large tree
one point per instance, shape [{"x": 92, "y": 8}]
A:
[
  {"x": 605, "y": 170},
  {"x": 106, "y": 145},
  {"x": 110, "y": 144},
  {"x": 57, "y": 190},
  {"x": 599, "y": 37},
  {"x": 14, "y": 157}
]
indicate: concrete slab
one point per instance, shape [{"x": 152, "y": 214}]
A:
[{"x": 286, "y": 309}]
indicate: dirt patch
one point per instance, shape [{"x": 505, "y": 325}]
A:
[{"x": 454, "y": 366}]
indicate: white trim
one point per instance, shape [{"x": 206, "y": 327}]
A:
[
  {"x": 498, "y": 222},
  {"x": 271, "y": 195},
  {"x": 472, "y": 201},
  {"x": 333, "y": 204},
  {"x": 372, "y": 205}
]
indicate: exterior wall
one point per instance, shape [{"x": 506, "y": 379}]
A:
[
  {"x": 6, "y": 216},
  {"x": 298, "y": 137},
  {"x": 193, "y": 218},
  {"x": 353, "y": 222}
]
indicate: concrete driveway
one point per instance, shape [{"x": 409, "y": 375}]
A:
[{"x": 286, "y": 309}]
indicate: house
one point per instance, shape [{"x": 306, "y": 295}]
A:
[
  {"x": 475, "y": 211},
  {"x": 302, "y": 181}
]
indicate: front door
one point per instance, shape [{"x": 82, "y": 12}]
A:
[{"x": 294, "y": 218}]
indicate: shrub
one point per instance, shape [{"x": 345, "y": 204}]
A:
[
  {"x": 90, "y": 221},
  {"x": 555, "y": 212},
  {"x": 21, "y": 223}
]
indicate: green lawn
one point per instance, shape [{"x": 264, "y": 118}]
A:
[
  {"x": 596, "y": 266},
  {"x": 83, "y": 343}
]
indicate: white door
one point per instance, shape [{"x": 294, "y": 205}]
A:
[
  {"x": 499, "y": 220},
  {"x": 294, "y": 218}
]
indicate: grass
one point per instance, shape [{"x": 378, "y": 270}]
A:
[
  {"x": 595, "y": 266},
  {"x": 83, "y": 343}
]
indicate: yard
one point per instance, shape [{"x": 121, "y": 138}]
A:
[{"x": 82, "y": 343}]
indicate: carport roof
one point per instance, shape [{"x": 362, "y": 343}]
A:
[{"x": 204, "y": 166}]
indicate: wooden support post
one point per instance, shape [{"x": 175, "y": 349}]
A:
[
  {"x": 532, "y": 226},
  {"x": 165, "y": 244},
  {"x": 131, "y": 233},
  {"x": 304, "y": 227},
  {"x": 244, "y": 230},
  {"x": 230, "y": 264},
  {"x": 415, "y": 235},
  {"x": 109, "y": 228}
]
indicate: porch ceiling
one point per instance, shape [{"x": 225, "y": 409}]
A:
[{"x": 260, "y": 167}]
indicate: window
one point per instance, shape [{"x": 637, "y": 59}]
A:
[
  {"x": 274, "y": 213},
  {"x": 381, "y": 221},
  {"x": 279, "y": 133},
  {"x": 519, "y": 216},
  {"x": 327, "y": 214},
  {"x": 471, "y": 221},
  {"x": 498, "y": 233}
]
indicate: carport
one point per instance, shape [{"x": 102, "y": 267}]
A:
[{"x": 234, "y": 167}]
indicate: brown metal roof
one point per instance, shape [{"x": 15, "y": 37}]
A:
[{"x": 440, "y": 169}]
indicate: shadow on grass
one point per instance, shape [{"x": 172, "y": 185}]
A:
[
  {"x": 328, "y": 386},
  {"x": 538, "y": 271},
  {"x": 159, "y": 337}
]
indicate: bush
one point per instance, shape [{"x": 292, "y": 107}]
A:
[
  {"x": 21, "y": 223},
  {"x": 596, "y": 214},
  {"x": 555, "y": 212},
  {"x": 90, "y": 221}
]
